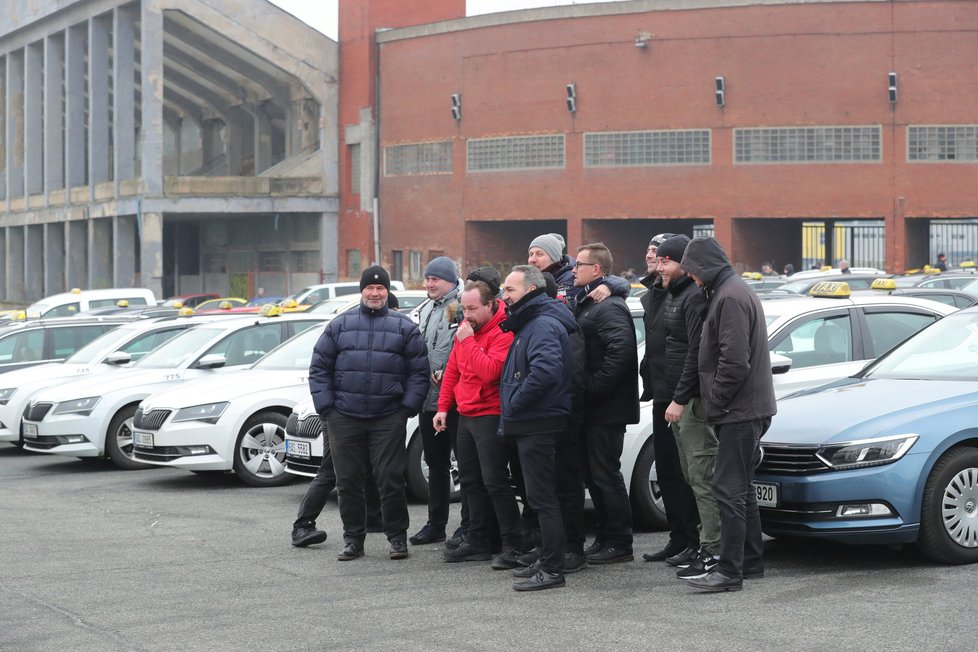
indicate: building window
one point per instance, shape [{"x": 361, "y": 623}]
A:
[
  {"x": 945, "y": 143},
  {"x": 355, "y": 169},
  {"x": 305, "y": 261},
  {"x": 397, "y": 265},
  {"x": 516, "y": 153},
  {"x": 271, "y": 261},
  {"x": 305, "y": 228},
  {"x": 353, "y": 264},
  {"x": 808, "y": 145},
  {"x": 634, "y": 148},
  {"x": 415, "y": 260},
  {"x": 420, "y": 158}
]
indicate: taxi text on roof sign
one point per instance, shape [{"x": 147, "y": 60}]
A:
[
  {"x": 837, "y": 289},
  {"x": 883, "y": 284}
]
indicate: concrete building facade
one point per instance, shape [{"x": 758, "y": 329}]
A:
[
  {"x": 179, "y": 145},
  {"x": 617, "y": 121}
]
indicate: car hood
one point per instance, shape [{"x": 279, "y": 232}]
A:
[
  {"x": 121, "y": 380},
  {"x": 20, "y": 378},
  {"x": 228, "y": 387},
  {"x": 856, "y": 408}
]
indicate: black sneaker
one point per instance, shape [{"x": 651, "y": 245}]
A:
[
  {"x": 541, "y": 580},
  {"x": 529, "y": 571},
  {"x": 682, "y": 559},
  {"x": 307, "y": 536},
  {"x": 466, "y": 552},
  {"x": 716, "y": 581},
  {"x": 529, "y": 558},
  {"x": 574, "y": 562},
  {"x": 610, "y": 555},
  {"x": 506, "y": 560},
  {"x": 428, "y": 534},
  {"x": 672, "y": 548},
  {"x": 699, "y": 567},
  {"x": 399, "y": 550},
  {"x": 593, "y": 548},
  {"x": 456, "y": 539},
  {"x": 350, "y": 552}
]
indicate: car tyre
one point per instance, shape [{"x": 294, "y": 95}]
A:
[
  {"x": 648, "y": 509},
  {"x": 417, "y": 471},
  {"x": 259, "y": 451},
  {"x": 949, "y": 509},
  {"x": 118, "y": 440}
]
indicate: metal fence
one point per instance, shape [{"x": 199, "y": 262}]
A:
[{"x": 862, "y": 243}]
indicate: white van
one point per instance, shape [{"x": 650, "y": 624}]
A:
[
  {"x": 68, "y": 304},
  {"x": 316, "y": 293}
]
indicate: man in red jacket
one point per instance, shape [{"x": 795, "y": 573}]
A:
[{"x": 471, "y": 384}]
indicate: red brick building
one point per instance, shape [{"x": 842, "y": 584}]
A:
[{"x": 617, "y": 121}]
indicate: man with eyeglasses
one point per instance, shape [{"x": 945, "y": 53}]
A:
[{"x": 610, "y": 402}]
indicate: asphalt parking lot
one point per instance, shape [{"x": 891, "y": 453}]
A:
[{"x": 93, "y": 558}]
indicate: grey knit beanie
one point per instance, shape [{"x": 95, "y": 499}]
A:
[
  {"x": 552, "y": 245},
  {"x": 442, "y": 267}
]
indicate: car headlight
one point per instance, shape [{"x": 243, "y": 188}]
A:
[
  {"x": 79, "y": 405},
  {"x": 6, "y": 394},
  {"x": 866, "y": 452},
  {"x": 208, "y": 413}
]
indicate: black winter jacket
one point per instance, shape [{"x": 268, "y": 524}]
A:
[
  {"x": 611, "y": 388},
  {"x": 535, "y": 386},
  {"x": 563, "y": 273},
  {"x": 734, "y": 362},
  {"x": 682, "y": 321},
  {"x": 369, "y": 363},
  {"x": 653, "y": 362}
]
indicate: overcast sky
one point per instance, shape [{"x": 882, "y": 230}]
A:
[{"x": 321, "y": 14}]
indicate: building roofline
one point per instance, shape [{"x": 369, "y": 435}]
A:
[{"x": 586, "y": 11}]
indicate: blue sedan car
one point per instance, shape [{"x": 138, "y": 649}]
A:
[{"x": 887, "y": 456}]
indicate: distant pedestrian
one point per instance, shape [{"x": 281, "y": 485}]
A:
[
  {"x": 767, "y": 269},
  {"x": 941, "y": 263},
  {"x": 789, "y": 270},
  {"x": 844, "y": 267}
]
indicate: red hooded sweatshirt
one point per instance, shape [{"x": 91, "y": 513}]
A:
[{"x": 471, "y": 380}]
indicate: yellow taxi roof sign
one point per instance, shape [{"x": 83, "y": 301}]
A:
[
  {"x": 883, "y": 284},
  {"x": 178, "y": 304},
  {"x": 931, "y": 270},
  {"x": 831, "y": 289},
  {"x": 122, "y": 303},
  {"x": 75, "y": 290},
  {"x": 967, "y": 264},
  {"x": 185, "y": 312},
  {"x": 289, "y": 303},
  {"x": 911, "y": 271},
  {"x": 270, "y": 310},
  {"x": 225, "y": 305},
  {"x": 825, "y": 268}
]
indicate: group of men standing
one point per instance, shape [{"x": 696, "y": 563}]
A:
[{"x": 534, "y": 376}]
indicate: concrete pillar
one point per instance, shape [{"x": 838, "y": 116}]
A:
[
  {"x": 99, "y": 254},
  {"x": 263, "y": 140},
  {"x": 3, "y": 137},
  {"x": 209, "y": 141},
  {"x": 98, "y": 101},
  {"x": 34, "y": 119},
  {"x": 329, "y": 237},
  {"x": 15, "y": 125},
  {"x": 54, "y": 107},
  {"x": 124, "y": 238},
  {"x": 3, "y": 268},
  {"x": 76, "y": 254},
  {"x": 151, "y": 252},
  {"x": 54, "y": 258},
  {"x": 16, "y": 288},
  {"x": 75, "y": 151},
  {"x": 124, "y": 95},
  {"x": 151, "y": 65},
  {"x": 34, "y": 262},
  {"x": 239, "y": 142}
]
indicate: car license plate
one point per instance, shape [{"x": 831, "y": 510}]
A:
[
  {"x": 297, "y": 448},
  {"x": 30, "y": 430},
  {"x": 767, "y": 494},
  {"x": 143, "y": 439}
]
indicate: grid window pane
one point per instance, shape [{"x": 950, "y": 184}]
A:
[
  {"x": 632, "y": 148},
  {"x": 516, "y": 153},
  {"x": 305, "y": 261},
  {"x": 271, "y": 261},
  {"x": 945, "y": 143},
  {"x": 807, "y": 145},
  {"x": 419, "y": 158}
]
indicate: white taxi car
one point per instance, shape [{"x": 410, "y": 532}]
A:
[
  {"x": 83, "y": 419},
  {"x": 118, "y": 347},
  {"x": 232, "y": 422}
]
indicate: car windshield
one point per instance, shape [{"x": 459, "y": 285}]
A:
[
  {"x": 180, "y": 349},
  {"x": 947, "y": 350},
  {"x": 798, "y": 287},
  {"x": 295, "y": 353},
  {"x": 101, "y": 346},
  {"x": 333, "y": 306}
]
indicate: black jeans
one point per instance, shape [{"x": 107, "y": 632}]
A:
[
  {"x": 738, "y": 454},
  {"x": 536, "y": 453},
  {"x": 677, "y": 497},
  {"x": 608, "y": 492},
  {"x": 483, "y": 467},
  {"x": 571, "y": 457},
  {"x": 324, "y": 482},
  {"x": 380, "y": 442},
  {"x": 438, "y": 456}
]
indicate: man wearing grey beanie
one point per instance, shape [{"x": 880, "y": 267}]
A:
[
  {"x": 438, "y": 317},
  {"x": 546, "y": 253}
]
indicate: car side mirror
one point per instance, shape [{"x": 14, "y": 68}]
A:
[
  {"x": 117, "y": 359},
  {"x": 212, "y": 361},
  {"x": 780, "y": 364}
]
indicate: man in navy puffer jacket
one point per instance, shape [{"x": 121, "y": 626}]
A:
[{"x": 369, "y": 373}]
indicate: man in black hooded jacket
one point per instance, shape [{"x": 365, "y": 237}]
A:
[{"x": 738, "y": 394}]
